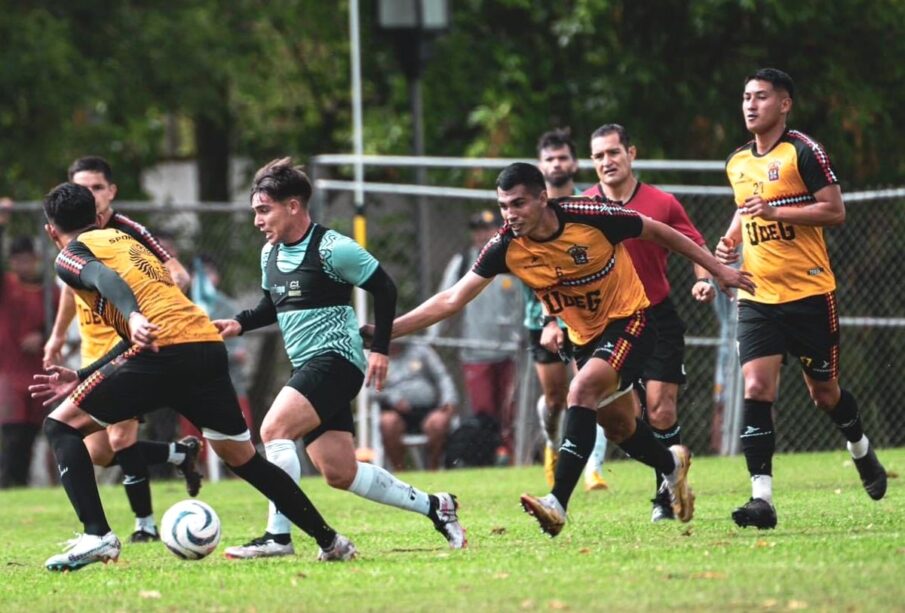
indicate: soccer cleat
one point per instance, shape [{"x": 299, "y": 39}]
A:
[
  {"x": 547, "y": 511},
  {"x": 446, "y": 520},
  {"x": 143, "y": 536},
  {"x": 187, "y": 467},
  {"x": 85, "y": 549},
  {"x": 681, "y": 494},
  {"x": 756, "y": 512},
  {"x": 873, "y": 475},
  {"x": 593, "y": 480},
  {"x": 260, "y": 547},
  {"x": 551, "y": 457},
  {"x": 341, "y": 550},
  {"x": 662, "y": 507}
]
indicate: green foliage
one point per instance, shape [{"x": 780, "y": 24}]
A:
[
  {"x": 834, "y": 549},
  {"x": 111, "y": 79}
]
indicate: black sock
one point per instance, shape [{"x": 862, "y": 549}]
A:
[
  {"x": 288, "y": 497},
  {"x": 282, "y": 539},
  {"x": 644, "y": 447},
  {"x": 847, "y": 418},
  {"x": 77, "y": 475},
  {"x": 669, "y": 437},
  {"x": 758, "y": 438},
  {"x": 135, "y": 479},
  {"x": 579, "y": 434},
  {"x": 156, "y": 452}
]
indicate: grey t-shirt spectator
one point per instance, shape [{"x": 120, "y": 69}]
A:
[
  {"x": 418, "y": 375},
  {"x": 494, "y": 316}
]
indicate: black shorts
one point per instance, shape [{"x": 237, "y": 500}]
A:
[
  {"x": 807, "y": 328},
  {"x": 413, "y": 418},
  {"x": 625, "y": 344},
  {"x": 541, "y": 355},
  {"x": 668, "y": 360},
  {"x": 191, "y": 378},
  {"x": 329, "y": 382}
]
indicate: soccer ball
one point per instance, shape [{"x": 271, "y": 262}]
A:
[{"x": 190, "y": 529}]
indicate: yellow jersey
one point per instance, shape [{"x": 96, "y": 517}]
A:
[
  {"x": 582, "y": 274},
  {"x": 157, "y": 296},
  {"x": 787, "y": 262}
]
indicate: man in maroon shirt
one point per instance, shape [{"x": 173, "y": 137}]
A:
[{"x": 658, "y": 389}]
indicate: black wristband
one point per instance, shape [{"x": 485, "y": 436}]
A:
[{"x": 548, "y": 319}]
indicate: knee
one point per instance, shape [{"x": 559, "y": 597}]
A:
[
  {"x": 662, "y": 415},
  {"x": 436, "y": 425},
  {"x": 825, "y": 399},
  {"x": 121, "y": 438},
  {"x": 758, "y": 389},
  {"x": 391, "y": 425},
  {"x": 340, "y": 476},
  {"x": 54, "y": 428},
  {"x": 271, "y": 430}
]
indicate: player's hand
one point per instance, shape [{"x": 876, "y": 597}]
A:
[
  {"x": 552, "y": 338},
  {"x": 53, "y": 350},
  {"x": 228, "y": 328},
  {"x": 726, "y": 251},
  {"x": 703, "y": 291},
  {"x": 53, "y": 387},
  {"x": 728, "y": 278},
  {"x": 367, "y": 334},
  {"x": 378, "y": 365},
  {"x": 142, "y": 332},
  {"x": 755, "y": 206}
]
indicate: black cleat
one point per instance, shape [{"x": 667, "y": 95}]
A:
[
  {"x": 187, "y": 468},
  {"x": 143, "y": 536},
  {"x": 662, "y": 507},
  {"x": 756, "y": 512},
  {"x": 873, "y": 475}
]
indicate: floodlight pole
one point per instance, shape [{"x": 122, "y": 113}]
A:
[{"x": 360, "y": 225}]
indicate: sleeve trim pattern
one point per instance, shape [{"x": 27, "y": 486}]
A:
[
  {"x": 70, "y": 262},
  {"x": 819, "y": 154},
  {"x": 156, "y": 247}
]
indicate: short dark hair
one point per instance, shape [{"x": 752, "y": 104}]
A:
[
  {"x": 280, "y": 180},
  {"x": 613, "y": 128},
  {"x": 779, "y": 79},
  {"x": 91, "y": 163},
  {"x": 556, "y": 139},
  {"x": 70, "y": 207},
  {"x": 521, "y": 173}
]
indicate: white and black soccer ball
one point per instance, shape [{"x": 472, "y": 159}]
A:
[{"x": 190, "y": 529}]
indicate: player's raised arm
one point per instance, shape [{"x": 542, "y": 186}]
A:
[
  {"x": 263, "y": 314},
  {"x": 723, "y": 275},
  {"x": 442, "y": 305}
]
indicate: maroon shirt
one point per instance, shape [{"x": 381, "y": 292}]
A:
[{"x": 648, "y": 257}]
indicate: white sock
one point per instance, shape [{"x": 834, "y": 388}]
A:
[
  {"x": 175, "y": 457},
  {"x": 374, "y": 483},
  {"x": 859, "y": 449},
  {"x": 595, "y": 462},
  {"x": 283, "y": 453},
  {"x": 762, "y": 487},
  {"x": 549, "y": 423},
  {"x": 146, "y": 524}
]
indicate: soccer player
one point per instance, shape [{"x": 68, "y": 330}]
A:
[
  {"x": 657, "y": 391},
  {"x": 171, "y": 354},
  {"x": 308, "y": 273},
  {"x": 118, "y": 443},
  {"x": 786, "y": 192},
  {"x": 558, "y": 161},
  {"x": 568, "y": 251}
]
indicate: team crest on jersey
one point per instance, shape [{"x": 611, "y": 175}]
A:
[
  {"x": 579, "y": 254},
  {"x": 773, "y": 170}
]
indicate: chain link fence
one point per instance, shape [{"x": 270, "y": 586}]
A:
[{"x": 414, "y": 236}]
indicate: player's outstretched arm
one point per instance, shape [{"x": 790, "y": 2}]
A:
[
  {"x": 264, "y": 314},
  {"x": 724, "y": 276},
  {"x": 442, "y": 305}
]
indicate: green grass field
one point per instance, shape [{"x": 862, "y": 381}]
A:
[{"x": 834, "y": 549}]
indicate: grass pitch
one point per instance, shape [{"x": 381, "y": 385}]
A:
[{"x": 834, "y": 549}]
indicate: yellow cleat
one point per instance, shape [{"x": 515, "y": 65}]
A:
[
  {"x": 550, "y": 458},
  {"x": 594, "y": 481}
]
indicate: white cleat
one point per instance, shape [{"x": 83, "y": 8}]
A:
[
  {"x": 341, "y": 550},
  {"x": 85, "y": 549},
  {"x": 446, "y": 520},
  {"x": 547, "y": 511},
  {"x": 261, "y": 547},
  {"x": 681, "y": 495}
]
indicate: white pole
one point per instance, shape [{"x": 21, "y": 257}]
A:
[{"x": 361, "y": 306}]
